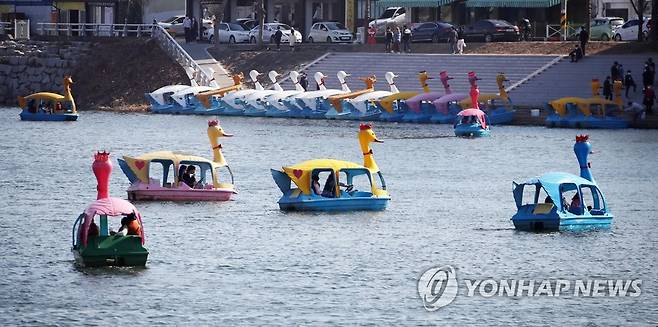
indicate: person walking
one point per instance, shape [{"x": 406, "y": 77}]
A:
[
  {"x": 607, "y": 89},
  {"x": 629, "y": 82},
  {"x": 293, "y": 39},
  {"x": 452, "y": 40},
  {"x": 397, "y": 39},
  {"x": 187, "y": 27},
  {"x": 647, "y": 77},
  {"x": 583, "y": 37},
  {"x": 649, "y": 97},
  {"x": 460, "y": 40},
  {"x": 614, "y": 71},
  {"x": 277, "y": 38},
  {"x": 406, "y": 38},
  {"x": 388, "y": 40}
]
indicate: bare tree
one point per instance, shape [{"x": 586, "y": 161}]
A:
[
  {"x": 640, "y": 6},
  {"x": 260, "y": 11},
  {"x": 216, "y": 10}
]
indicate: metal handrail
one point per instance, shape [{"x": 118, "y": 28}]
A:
[
  {"x": 177, "y": 53},
  {"x": 94, "y": 29}
]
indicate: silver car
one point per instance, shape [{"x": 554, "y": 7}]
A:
[
  {"x": 331, "y": 32},
  {"x": 268, "y": 33}
]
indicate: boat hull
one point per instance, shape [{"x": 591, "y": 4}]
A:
[
  {"x": 471, "y": 130},
  {"x": 180, "y": 195},
  {"x": 27, "y": 116},
  {"x": 334, "y": 204},
  {"x": 568, "y": 224},
  {"x": 113, "y": 250}
]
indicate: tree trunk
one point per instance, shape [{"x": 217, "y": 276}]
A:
[
  {"x": 260, "y": 9},
  {"x": 641, "y": 5},
  {"x": 215, "y": 29}
]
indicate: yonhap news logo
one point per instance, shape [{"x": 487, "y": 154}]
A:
[{"x": 439, "y": 286}]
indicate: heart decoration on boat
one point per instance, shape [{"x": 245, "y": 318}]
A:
[
  {"x": 140, "y": 164},
  {"x": 298, "y": 173}
]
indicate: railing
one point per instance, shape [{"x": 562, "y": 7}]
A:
[
  {"x": 556, "y": 32},
  {"x": 93, "y": 29},
  {"x": 5, "y": 27},
  {"x": 177, "y": 53}
]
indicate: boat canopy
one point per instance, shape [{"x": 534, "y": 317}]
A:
[
  {"x": 111, "y": 207},
  {"x": 46, "y": 96},
  {"x": 484, "y": 98},
  {"x": 477, "y": 113},
  {"x": 138, "y": 167},
  {"x": 300, "y": 174},
  {"x": 551, "y": 183},
  {"x": 583, "y": 104}
]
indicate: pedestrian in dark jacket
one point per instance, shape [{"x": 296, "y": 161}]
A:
[
  {"x": 629, "y": 82},
  {"x": 576, "y": 54},
  {"x": 649, "y": 97},
  {"x": 607, "y": 88},
  {"x": 303, "y": 81},
  {"x": 389, "y": 39},
  {"x": 614, "y": 71},
  {"x": 277, "y": 37},
  {"x": 195, "y": 29},
  {"x": 647, "y": 77},
  {"x": 583, "y": 36}
]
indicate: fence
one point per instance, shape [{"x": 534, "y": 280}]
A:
[
  {"x": 5, "y": 28},
  {"x": 176, "y": 52},
  {"x": 93, "y": 29},
  {"x": 554, "y": 32}
]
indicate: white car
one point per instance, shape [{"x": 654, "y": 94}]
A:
[
  {"x": 174, "y": 25},
  {"x": 329, "y": 32},
  {"x": 268, "y": 33},
  {"x": 390, "y": 16},
  {"x": 228, "y": 33},
  {"x": 628, "y": 31}
]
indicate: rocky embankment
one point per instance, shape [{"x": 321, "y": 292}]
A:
[
  {"x": 108, "y": 73},
  {"x": 35, "y": 66}
]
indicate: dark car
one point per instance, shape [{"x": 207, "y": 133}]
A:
[
  {"x": 489, "y": 30},
  {"x": 431, "y": 31}
]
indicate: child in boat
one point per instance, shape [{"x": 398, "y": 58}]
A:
[{"x": 131, "y": 225}]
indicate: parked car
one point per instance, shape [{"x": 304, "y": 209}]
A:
[
  {"x": 489, "y": 30},
  {"x": 432, "y": 31},
  {"x": 228, "y": 33},
  {"x": 174, "y": 25},
  {"x": 268, "y": 33},
  {"x": 603, "y": 28},
  {"x": 628, "y": 31},
  {"x": 390, "y": 16},
  {"x": 331, "y": 32},
  {"x": 246, "y": 23}
]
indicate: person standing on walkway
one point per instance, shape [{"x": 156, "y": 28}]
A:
[
  {"x": 397, "y": 39},
  {"x": 620, "y": 74},
  {"x": 187, "y": 26},
  {"x": 647, "y": 77},
  {"x": 649, "y": 97},
  {"x": 303, "y": 81},
  {"x": 277, "y": 38},
  {"x": 388, "y": 39},
  {"x": 452, "y": 40},
  {"x": 292, "y": 39},
  {"x": 607, "y": 89},
  {"x": 629, "y": 82},
  {"x": 583, "y": 37},
  {"x": 406, "y": 38},
  {"x": 614, "y": 71}
]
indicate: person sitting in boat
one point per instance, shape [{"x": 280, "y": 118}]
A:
[
  {"x": 330, "y": 185},
  {"x": 58, "y": 106},
  {"x": 548, "y": 199},
  {"x": 189, "y": 177},
  {"x": 316, "y": 185},
  {"x": 32, "y": 106},
  {"x": 130, "y": 224},
  {"x": 50, "y": 108},
  {"x": 574, "y": 207}
]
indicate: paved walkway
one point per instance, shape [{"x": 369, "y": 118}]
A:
[{"x": 199, "y": 53}]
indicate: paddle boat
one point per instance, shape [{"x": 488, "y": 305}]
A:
[
  {"x": 498, "y": 107},
  {"x": 393, "y": 107},
  {"x": 308, "y": 195},
  {"x": 173, "y": 186},
  {"x": 587, "y": 209},
  {"x": 254, "y": 104},
  {"x": 185, "y": 101},
  {"x": 312, "y": 104},
  {"x": 160, "y": 100},
  {"x": 445, "y": 111},
  {"x": 573, "y": 112},
  {"x": 93, "y": 244},
  {"x": 47, "y": 106},
  {"x": 472, "y": 122},
  {"x": 275, "y": 103},
  {"x": 336, "y": 110},
  {"x": 227, "y": 104},
  {"x": 208, "y": 99},
  {"x": 363, "y": 107},
  {"x": 420, "y": 111}
]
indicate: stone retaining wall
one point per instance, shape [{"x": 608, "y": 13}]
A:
[{"x": 27, "y": 67}]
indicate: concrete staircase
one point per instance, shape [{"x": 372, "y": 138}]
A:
[
  {"x": 574, "y": 79},
  {"x": 407, "y": 66}
]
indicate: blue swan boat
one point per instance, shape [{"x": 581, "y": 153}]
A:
[
  {"x": 587, "y": 209},
  {"x": 309, "y": 195}
]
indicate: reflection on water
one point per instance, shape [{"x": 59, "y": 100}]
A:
[{"x": 246, "y": 262}]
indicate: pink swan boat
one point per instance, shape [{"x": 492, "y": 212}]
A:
[{"x": 171, "y": 166}]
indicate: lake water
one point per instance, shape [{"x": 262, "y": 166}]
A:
[{"x": 244, "y": 262}]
